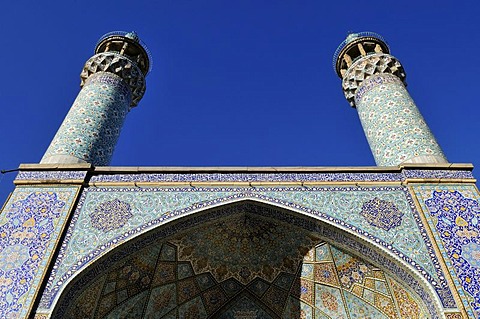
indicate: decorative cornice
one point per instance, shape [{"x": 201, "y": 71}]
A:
[{"x": 411, "y": 175}]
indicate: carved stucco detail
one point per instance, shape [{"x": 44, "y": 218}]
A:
[
  {"x": 119, "y": 65},
  {"x": 366, "y": 67}
]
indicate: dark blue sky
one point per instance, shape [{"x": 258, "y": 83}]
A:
[{"x": 237, "y": 83}]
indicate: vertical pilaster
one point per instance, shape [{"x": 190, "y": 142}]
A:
[
  {"x": 374, "y": 82},
  {"x": 451, "y": 211},
  {"x": 31, "y": 224}
]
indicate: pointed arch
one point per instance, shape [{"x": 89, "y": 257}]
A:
[{"x": 264, "y": 211}]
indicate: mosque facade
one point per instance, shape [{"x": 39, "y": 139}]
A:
[{"x": 81, "y": 239}]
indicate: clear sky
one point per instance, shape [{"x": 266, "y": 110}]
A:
[{"x": 237, "y": 83}]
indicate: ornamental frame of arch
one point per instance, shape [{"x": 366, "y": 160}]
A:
[{"x": 419, "y": 199}]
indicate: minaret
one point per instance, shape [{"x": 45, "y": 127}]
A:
[
  {"x": 112, "y": 82},
  {"x": 374, "y": 82}
]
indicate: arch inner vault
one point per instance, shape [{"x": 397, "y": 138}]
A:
[{"x": 244, "y": 264}]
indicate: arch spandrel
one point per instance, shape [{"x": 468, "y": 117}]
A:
[{"x": 176, "y": 258}]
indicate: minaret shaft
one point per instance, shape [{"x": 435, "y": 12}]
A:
[
  {"x": 91, "y": 128},
  {"x": 113, "y": 81},
  {"x": 395, "y": 129},
  {"x": 374, "y": 82}
]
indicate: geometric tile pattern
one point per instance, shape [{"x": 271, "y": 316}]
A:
[
  {"x": 150, "y": 283},
  {"x": 84, "y": 239},
  {"x": 395, "y": 129},
  {"x": 454, "y": 214},
  {"x": 249, "y": 236},
  {"x": 30, "y": 224},
  {"x": 316, "y": 264},
  {"x": 143, "y": 286},
  {"x": 153, "y": 206},
  {"x": 92, "y": 126},
  {"x": 344, "y": 206}
]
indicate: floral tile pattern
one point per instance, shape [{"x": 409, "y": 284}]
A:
[
  {"x": 395, "y": 129},
  {"x": 350, "y": 270},
  {"x": 330, "y": 301},
  {"x": 362, "y": 310},
  {"x": 382, "y": 214},
  {"x": 92, "y": 126},
  {"x": 30, "y": 224},
  {"x": 266, "y": 177},
  {"x": 454, "y": 212},
  {"x": 111, "y": 215}
]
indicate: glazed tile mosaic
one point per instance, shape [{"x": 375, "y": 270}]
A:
[
  {"x": 241, "y": 274},
  {"x": 30, "y": 224},
  {"x": 395, "y": 129},
  {"x": 355, "y": 247},
  {"x": 438, "y": 174},
  {"x": 373, "y": 82},
  {"x": 145, "y": 208},
  {"x": 86, "y": 241},
  {"x": 248, "y": 177},
  {"x": 251, "y": 251},
  {"x": 130, "y": 284},
  {"x": 344, "y": 207},
  {"x": 49, "y": 175},
  {"x": 279, "y": 177},
  {"x": 382, "y": 214},
  {"x": 111, "y": 215},
  {"x": 92, "y": 126},
  {"x": 250, "y": 236},
  {"x": 453, "y": 212}
]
